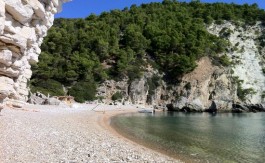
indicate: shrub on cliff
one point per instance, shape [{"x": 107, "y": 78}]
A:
[
  {"x": 243, "y": 93},
  {"x": 51, "y": 87},
  {"x": 116, "y": 96},
  {"x": 83, "y": 91}
]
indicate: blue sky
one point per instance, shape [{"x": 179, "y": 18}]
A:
[{"x": 83, "y": 8}]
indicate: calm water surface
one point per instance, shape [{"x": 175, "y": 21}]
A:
[{"x": 198, "y": 137}]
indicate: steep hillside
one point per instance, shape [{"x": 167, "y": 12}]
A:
[{"x": 189, "y": 56}]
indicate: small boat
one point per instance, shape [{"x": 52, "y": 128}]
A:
[{"x": 146, "y": 111}]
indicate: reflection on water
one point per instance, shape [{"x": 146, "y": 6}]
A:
[{"x": 199, "y": 137}]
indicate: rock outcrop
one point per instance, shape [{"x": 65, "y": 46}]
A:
[
  {"x": 23, "y": 24},
  {"x": 134, "y": 92},
  {"x": 40, "y": 99}
]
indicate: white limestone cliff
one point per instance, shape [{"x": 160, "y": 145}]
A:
[
  {"x": 247, "y": 56},
  {"x": 23, "y": 24}
]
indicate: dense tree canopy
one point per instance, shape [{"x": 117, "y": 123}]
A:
[{"x": 170, "y": 35}]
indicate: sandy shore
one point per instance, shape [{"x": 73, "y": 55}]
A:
[{"x": 54, "y": 134}]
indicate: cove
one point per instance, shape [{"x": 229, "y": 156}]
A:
[{"x": 198, "y": 137}]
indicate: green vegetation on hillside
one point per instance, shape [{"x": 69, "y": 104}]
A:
[
  {"x": 241, "y": 92},
  {"x": 171, "y": 36},
  {"x": 116, "y": 96}
]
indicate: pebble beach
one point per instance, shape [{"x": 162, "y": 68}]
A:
[{"x": 57, "y": 134}]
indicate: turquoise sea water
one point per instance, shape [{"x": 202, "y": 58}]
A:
[{"x": 198, "y": 137}]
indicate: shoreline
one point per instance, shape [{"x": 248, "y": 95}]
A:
[
  {"x": 105, "y": 122},
  {"x": 114, "y": 130},
  {"x": 37, "y": 133}
]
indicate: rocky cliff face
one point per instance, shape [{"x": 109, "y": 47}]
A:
[
  {"x": 239, "y": 86},
  {"x": 247, "y": 56},
  {"x": 206, "y": 85},
  {"x": 134, "y": 92},
  {"x": 23, "y": 24}
]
